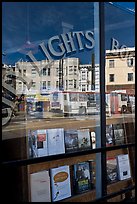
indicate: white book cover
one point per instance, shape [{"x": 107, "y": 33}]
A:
[
  {"x": 84, "y": 140},
  {"x": 123, "y": 166},
  {"x": 41, "y": 143},
  {"x": 60, "y": 183},
  {"x": 40, "y": 187},
  {"x": 56, "y": 143},
  {"x": 93, "y": 139}
]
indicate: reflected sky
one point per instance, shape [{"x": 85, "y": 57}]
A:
[{"x": 26, "y": 24}]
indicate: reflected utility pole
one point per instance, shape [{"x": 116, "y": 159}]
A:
[{"x": 61, "y": 85}]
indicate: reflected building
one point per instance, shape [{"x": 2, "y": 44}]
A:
[
  {"x": 120, "y": 70},
  {"x": 69, "y": 75}
]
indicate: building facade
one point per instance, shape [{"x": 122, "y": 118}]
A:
[{"x": 120, "y": 70}]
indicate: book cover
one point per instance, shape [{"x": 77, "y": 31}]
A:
[
  {"x": 60, "y": 183},
  {"x": 37, "y": 143},
  {"x": 112, "y": 175},
  {"x": 123, "y": 167},
  {"x": 109, "y": 135},
  {"x": 82, "y": 177},
  {"x": 41, "y": 143},
  {"x": 40, "y": 187},
  {"x": 93, "y": 139},
  {"x": 71, "y": 140},
  {"x": 119, "y": 135},
  {"x": 32, "y": 143},
  {"x": 84, "y": 139},
  {"x": 92, "y": 165},
  {"x": 56, "y": 143}
]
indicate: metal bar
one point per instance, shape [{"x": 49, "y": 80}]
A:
[
  {"x": 62, "y": 156},
  {"x": 102, "y": 96}
]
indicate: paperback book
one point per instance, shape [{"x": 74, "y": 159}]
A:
[
  {"x": 109, "y": 135},
  {"x": 71, "y": 140},
  {"x": 37, "y": 143},
  {"x": 93, "y": 139},
  {"x": 84, "y": 139},
  {"x": 82, "y": 177},
  {"x": 60, "y": 183},
  {"x": 119, "y": 135},
  {"x": 40, "y": 187},
  {"x": 41, "y": 143},
  {"x": 56, "y": 143},
  {"x": 112, "y": 175},
  {"x": 123, "y": 167}
]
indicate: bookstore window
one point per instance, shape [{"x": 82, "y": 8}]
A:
[
  {"x": 66, "y": 137},
  {"x": 120, "y": 163}
]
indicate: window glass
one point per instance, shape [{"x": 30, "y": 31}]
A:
[{"x": 120, "y": 95}]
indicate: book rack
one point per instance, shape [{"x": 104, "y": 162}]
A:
[{"x": 70, "y": 159}]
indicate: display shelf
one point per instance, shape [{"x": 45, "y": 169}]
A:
[{"x": 20, "y": 143}]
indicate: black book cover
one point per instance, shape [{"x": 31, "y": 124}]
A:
[
  {"x": 71, "y": 140},
  {"x": 82, "y": 177}
]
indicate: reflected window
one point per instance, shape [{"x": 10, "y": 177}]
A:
[
  {"x": 33, "y": 72},
  {"x": 130, "y": 62},
  {"x": 57, "y": 84},
  {"x": 44, "y": 72},
  {"x": 33, "y": 85},
  {"x": 75, "y": 84},
  {"x": 130, "y": 76},
  {"x": 111, "y": 77},
  {"x": 111, "y": 64},
  {"x": 48, "y": 71},
  {"x": 57, "y": 71},
  {"x": 44, "y": 85},
  {"x": 83, "y": 87},
  {"x": 48, "y": 84},
  {"x": 24, "y": 72}
]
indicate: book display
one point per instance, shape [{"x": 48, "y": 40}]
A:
[
  {"x": 68, "y": 102},
  {"x": 53, "y": 181}
]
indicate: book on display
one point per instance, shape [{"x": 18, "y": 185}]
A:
[
  {"x": 56, "y": 143},
  {"x": 123, "y": 167},
  {"x": 37, "y": 143},
  {"x": 119, "y": 134},
  {"x": 71, "y": 140},
  {"x": 84, "y": 139},
  {"x": 40, "y": 187},
  {"x": 60, "y": 183},
  {"x": 112, "y": 175},
  {"x": 109, "y": 135},
  {"x": 82, "y": 177}
]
